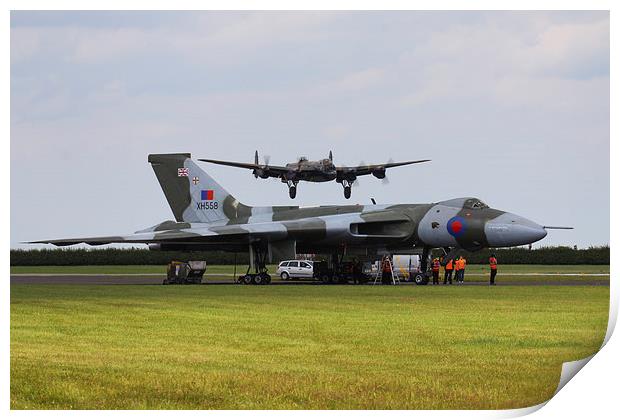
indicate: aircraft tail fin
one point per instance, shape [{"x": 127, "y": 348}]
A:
[{"x": 192, "y": 194}]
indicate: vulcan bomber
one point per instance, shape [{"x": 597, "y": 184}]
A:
[
  {"x": 322, "y": 170},
  {"x": 207, "y": 217}
]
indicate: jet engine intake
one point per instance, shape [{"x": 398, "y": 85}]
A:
[{"x": 397, "y": 229}]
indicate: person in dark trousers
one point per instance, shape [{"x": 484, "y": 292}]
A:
[
  {"x": 435, "y": 268},
  {"x": 449, "y": 267},
  {"x": 459, "y": 267},
  {"x": 386, "y": 270},
  {"x": 493, "y": 267}
]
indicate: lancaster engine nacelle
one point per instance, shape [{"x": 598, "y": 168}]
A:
[
  {"x": 379, "y": 173},
  {"x": 261, "y": 173}
]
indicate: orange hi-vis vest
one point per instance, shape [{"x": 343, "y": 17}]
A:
[
  {"x": 449, "y": 265},
  {"x": 493, "y": 263},
  {"x": 460, "y": 264},
  {"x": 435, "y": 265}
]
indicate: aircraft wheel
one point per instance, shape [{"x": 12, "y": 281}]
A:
[
  {"x": 325, "y": 278},
  {"x": 264, "y": 278},
  {"x": 420, "y": 279},
  {"x": 248, "y": 279},
  {"x": 284, "y": 276},
  {"x": 258, "y": 279},
  {"x": 292, "y": 192},
  {"x": 347, "y": 192}
]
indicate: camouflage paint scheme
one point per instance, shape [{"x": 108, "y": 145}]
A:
[{"x": 208, "y": 217}]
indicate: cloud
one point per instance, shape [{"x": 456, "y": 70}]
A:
[
  {"x": 101, "y": 45},
  {"x": 360, "y": 80},
  {"x": 511, "y": 65},
  {"x": 576, "y": 50},
  {"x": 217, "y": 31}
]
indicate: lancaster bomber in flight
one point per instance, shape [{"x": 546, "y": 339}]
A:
[
  {"x": 314, "y": 171},
  {"x": 208, "y": 217}
]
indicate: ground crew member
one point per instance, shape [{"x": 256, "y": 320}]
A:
[
  {"x": 493, "y": 266},
  {"x": 463, "y": 265},
  {"x": 458, "y": 264},
  {"x": 449, "y": 267},
  {"x": 356, "y": 271},
  {"x": 386, "y": 270},
  {"x": 435, "y": 268}
]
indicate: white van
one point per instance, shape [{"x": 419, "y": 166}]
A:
[{"x": 295, "y": 269}]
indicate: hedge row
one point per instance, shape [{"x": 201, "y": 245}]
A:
[
  {"x": 558, "y": 255},
  {"x": 139, "y": 256},
  {"x": 116, "y": 256}
]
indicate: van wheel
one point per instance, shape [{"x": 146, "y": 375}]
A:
[
  {"x": 284, "y": 276},
  {"x": 325, "y": 278}
]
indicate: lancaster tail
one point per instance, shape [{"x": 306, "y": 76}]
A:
[{"x": 192, "y": 194}]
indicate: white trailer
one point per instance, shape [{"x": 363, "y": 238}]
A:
[{"x": 406, "y": 265}]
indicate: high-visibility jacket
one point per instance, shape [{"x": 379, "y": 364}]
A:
[
  {"x": 449, "y": 265},
  {"x": 463, "y": 263},
  {"x": 435, "y": 265},
  {"x": 459, "y": 264},
  {"x": 493, "y": 263}
]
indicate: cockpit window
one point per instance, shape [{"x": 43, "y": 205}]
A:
[
  {"x": 465, "y": 202},
  {"x": 474, "y": 203}
]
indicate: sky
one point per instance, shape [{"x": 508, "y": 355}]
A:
[{"x": 512, "y": 107}]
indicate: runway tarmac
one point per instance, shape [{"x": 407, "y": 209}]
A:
[{"x": 146, "y": 279}]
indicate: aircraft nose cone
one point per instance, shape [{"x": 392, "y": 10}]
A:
[{"x": 512, "y": 230}]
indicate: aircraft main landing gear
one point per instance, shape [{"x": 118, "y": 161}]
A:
[
  {"x": 347, "y": 188},
  {"x": 292, "y": 188},
  {"x": 421, "y": 278},
  {"x": 259, "y": 254}
]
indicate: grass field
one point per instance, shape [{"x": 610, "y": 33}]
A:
[
  {"x": 228, "y": 269},
  {"x": 297, "y": 347}
]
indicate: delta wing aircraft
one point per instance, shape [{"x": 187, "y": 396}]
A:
[
  {"x": 322, "y": 170},
  {"x": 208, "y": 217}
]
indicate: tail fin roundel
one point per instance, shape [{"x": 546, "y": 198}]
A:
[{"x": 192, "y": 194}]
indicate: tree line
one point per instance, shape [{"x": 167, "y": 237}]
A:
[{"x": 140, "y": 256}]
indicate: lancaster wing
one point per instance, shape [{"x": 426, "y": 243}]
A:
[
  {"x": 343, "y": 171},
  {"x": 268, "y": 170}
]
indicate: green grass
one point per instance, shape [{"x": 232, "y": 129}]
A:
[
  {"x": 218, "y": 269},
  {"x": 296, "y": 346}
]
